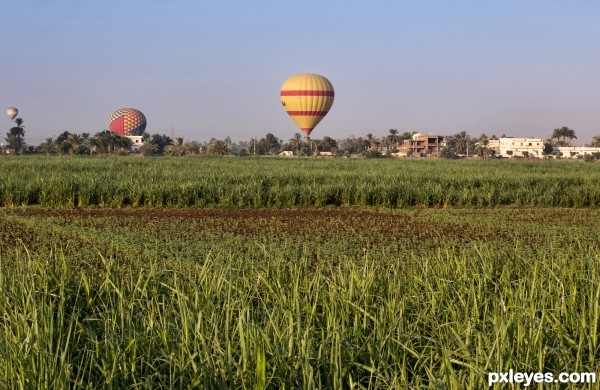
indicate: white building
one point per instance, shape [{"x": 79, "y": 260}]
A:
[
  {"x": 136, "y": 142},
  {"x": 520, "y": 147},
  {"x": 575, "y": 151},
  {"x": 533, "y": 147}
]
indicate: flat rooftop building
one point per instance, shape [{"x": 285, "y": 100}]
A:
[{"x": 422, "y": 145}]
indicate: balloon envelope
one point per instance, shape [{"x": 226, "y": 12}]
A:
[
  {"x": 307, "y": 98},
  {"x": 12, "y": 112},
  {"x": 127, "y": 121}
]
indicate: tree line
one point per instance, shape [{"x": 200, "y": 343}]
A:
[{"x": 106, "y": 142}]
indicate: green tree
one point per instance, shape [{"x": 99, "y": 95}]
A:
[
  {"x": 406, "y": 135},
  {"x": 48, "y": 146},
  {"x": 178, "y": 147},
  {"x": 73, "y": 141},
  {"x": 148, "y": 148},
  {"x": 104, "y": 141},
  {"x": 217, "y": 147},
  {"x": 296, "y": 142},
  {"x": 161, "y": 141},
  {"x": 460, "y": 143},
  {"x": 87, "y": 144},
  {"x": 447, "y": 152},
  {"x": 393, "y": 138},
  {"x": 122, "y": 145},
  {"x": 16, "y": 136},
  {"x": 562, "y": 134},
  {"x": 595, "y": 141},
  {"x": 548, "y": 148},
  {"x": 110, "y": 143},
  {"x": 369, "y": 140},
  {"x": 60, "y": 144},
  {"x": 352, "y": 145},
  {"x": 570, "y": 134},
  {"x": 195, "y": 146},
  {"x": 481, "y": 148},
  {"x": 373, "y": 153},
  {"x": 269, "y": 144},
  {"x": 326, "y": 144},
  {"x": 62, "y": 137}
]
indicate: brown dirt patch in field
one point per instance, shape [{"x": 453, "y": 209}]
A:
[{"x": 313, "y": 224}]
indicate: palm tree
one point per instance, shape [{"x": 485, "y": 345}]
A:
[
  {"x": 48, "y": 146},
  {"x": 377, "y": 143},
  {"x": 406, "y": 135},
  {"x": 109, "y": 142},
  {"x": 177, "y": 147},
  {"x": 556, "y": 135},
  {"x": 88, "y": 144},
  {"x": 104, "y": 142},
  {"x": 481, "y": 149},
  {"x": 73, "y": 140},
  {"x": 195, "y": 146},
  {"x": 393, "y": 138},
  {"x": 369, "y": 140},
  {"x": 16, "y": 136},
  {"x": 297, "y": 142},
  {"x": 218, "y": 147},
  {"x": 595, "y": 141},
  {"x": 148, "y": 148},
  {"x": 253, "y": 142},
  {"x": 461, "y": 142},
  {"x": 570, "y": 134},
  {"x": 562, "y": 134}
]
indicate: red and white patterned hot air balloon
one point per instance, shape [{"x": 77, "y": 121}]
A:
[{"x": 127, "y": 121}]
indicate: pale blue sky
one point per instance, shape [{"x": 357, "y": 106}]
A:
[{"x": 214, "y": 68}]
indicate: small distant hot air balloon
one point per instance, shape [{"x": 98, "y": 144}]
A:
[
  {"x": 12, "y": 112},
  {"x": 127, "y": 121},
  {"x": 307, "y": 98}
]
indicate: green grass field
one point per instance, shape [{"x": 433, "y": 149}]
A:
[
  {"x": 238, "y": 273},
  {"x": 202, "y": 182}
]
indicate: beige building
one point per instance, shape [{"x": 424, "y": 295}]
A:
[
  {"x": 494, "y": 143},
  {"x": 422, "y": 145}
]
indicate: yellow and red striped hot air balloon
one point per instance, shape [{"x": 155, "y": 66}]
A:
[{"x": 307, "y": 98}]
